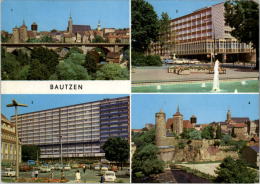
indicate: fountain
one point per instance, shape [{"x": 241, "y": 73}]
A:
[
  {"x": 216, "y": 77},
  {"x": 203, "y": 85},
  {"x": 235, "y": 91},
  {"x": 158, "y": 87},
  {"x": 243, "y": 83}
]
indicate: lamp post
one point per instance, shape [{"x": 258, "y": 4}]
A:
[{"x": 15, "y": 105}]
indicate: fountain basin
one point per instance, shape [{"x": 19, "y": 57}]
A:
[{"x": 251, "y": 86}]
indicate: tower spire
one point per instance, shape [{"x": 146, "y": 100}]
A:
[{"x": 178, "y": 108}]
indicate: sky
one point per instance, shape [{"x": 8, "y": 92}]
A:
[
  {"x": 54, "y": 14},
  {"x": 206, "y": 107},
  {"x": 178, "y": 8},
  {"x": 43, "y": 102}
]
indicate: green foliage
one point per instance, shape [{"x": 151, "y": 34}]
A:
[
  {"x": 139, "y": 59},
  {"x": 4, "y": 38},
  {"x": 91, "y": 60},
  {"x": 226, "y": 140},
  {"x": 21, "y": 56},
  {"x": 143, "y": 138},
  {"x": 46, "y": 57},
  {"x": 68, "y": 70},
  {"x": 44, "y": 39},
  {"x": 191, "y": 134},
  {"x": 10, "y": 66},
  {"x": 112, "y": 72},
  {"x": 145, "y": 160},
  {"x": 74, "y": 50},
  {"x": 164, "y": 29},
  {"x": 181, "y": 145},
  {"x": 235, "y": 171},
  {"x": 145, "y": 25},
  {"x": 243, "y": 17},
  {"x": 234, "y": 145},
  {"x": 218, "y": 132},
  {"x": 29, "y": 152},
  {"x": 37, "y": 71},
  {"x": 207, "y": 132},
  {"x": 116, "y": 149},
  {"x": 98, "y": 39}
]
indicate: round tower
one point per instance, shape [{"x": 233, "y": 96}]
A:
[
  {"x": 193, "y": 120},
  {"x": 160, "y": 128},
  {"x": 178, "y": 122},
  {"x": 228, "y": 115},
  {"x": 15, "y": 36},
  {"x": 34, "y": 27}
]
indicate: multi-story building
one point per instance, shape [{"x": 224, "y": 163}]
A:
[
  {"x": 8, "y": 141},
  {"x": 78, "y": 130},
  {"x": 201, "y": 34}
]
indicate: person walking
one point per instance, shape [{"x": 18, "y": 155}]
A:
[
  {"x": 84, "y": 169},
  {"x": 77, "y": 176},
  {"x": 102, "y": 179},
  {"x": 36, "y": 173},
  {"x": 33, "y": 174}
]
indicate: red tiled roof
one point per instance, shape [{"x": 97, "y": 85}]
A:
[
  {"x": 240, "y": 120},
  {"x": 238, "y": 125},
  {"x": 169, "y": 123},
  {"x": 177, "y": 114},
  {"x": 187, "y": 124},
  {"x": 80, "y": 28},
  {"x": 136, "y": 130}
]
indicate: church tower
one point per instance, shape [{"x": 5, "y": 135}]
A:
[
  {"x": 178, "y": 122},
  {"x": 160, "y": 128},
  {"x": 228, "y": 115},
  {"x": 70, "y": 24},
  {"x": 99, "y": 26}
]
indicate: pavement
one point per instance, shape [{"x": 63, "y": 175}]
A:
[
  {"x": 160, "y": 74},
  {"x": 208, "y": 168}
]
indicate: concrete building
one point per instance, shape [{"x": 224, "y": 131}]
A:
[
  {"x": 202, "y": 34},
  {"x": 8, "y": 141},
  {"x": 81, "y": 129}
]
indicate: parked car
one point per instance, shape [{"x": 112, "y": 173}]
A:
[
  {"x": 58, "y": 167},
  {"x": 167, "y": 61},
  {"x": 45, "y": 169},
  {"x": 74, "y": 166},
  {"x": 67, "y": 167},
  {"x": 103, "y": 170},
  {"x": 8, "y": 172},
  {"x": 110, "y": 176},
  {"x": 97, "y": 167}
]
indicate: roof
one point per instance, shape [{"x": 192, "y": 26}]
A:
[
  {"x": 137, "y": 130},
  {"x": 80, "y": 28},
  {"x": 187, "y": 124},
  {"x": 113, "y": 55},
  {"x": 177, "y": 114},
  {"x": 238, "y": 125},
  {"x": 240, "y": 119},
  {"x": 255, "y": 148},
  {"x": 169, "y": 123}
]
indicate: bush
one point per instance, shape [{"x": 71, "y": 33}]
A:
[
  {"x": 139, "y": 59},
  {"x": 181, "y": 145}
]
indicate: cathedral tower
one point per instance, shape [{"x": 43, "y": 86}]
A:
[
  {"x": 228, "y": 115},
  {"x": 160, "y": 127},
  {"x": 70, "y": 24},
  {"x": 178, "y": 122}
]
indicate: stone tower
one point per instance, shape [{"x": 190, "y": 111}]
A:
[
  {"x": 160, "y": 128},
  {"x": 23, "y": 33},
  {"x": 228, "y": 115},
  {"x": 70, "y": 25},
  {"x": 34, "y": 27},
  {"x": 178, "y": 122},
  {"x": 193, "y": 120},
  {"x": 15, "y": 36},
  {"x": 99, "y": 26}
]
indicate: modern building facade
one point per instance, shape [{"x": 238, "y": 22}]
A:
[
  {"x": 201, "y": 34},
  {"x": 8, "y": 142},
  {"x": 79, "y": 130}
]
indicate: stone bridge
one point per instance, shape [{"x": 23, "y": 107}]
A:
[{"x": 110, "y": 47}]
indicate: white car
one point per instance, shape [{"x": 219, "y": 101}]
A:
[
  {"x": 67, "y": 167},
  {"x": 45, "y": 169},
  {"x": 110, "y": 176},
  {"x": 97, "y": 167},
  {"x": 103, "y": 170},
  {"x": 9, "y": 172}
]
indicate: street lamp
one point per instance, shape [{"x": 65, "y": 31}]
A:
[{"x": 16, "y": 104}]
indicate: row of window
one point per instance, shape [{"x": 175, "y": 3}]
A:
[{"x": 190, "y": 18}]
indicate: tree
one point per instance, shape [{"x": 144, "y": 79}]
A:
[
  {"x": 218, "y": 132},
  {"x": 143, "y": 138},
  {"x": 207, "y": 132},
  {"x": 116, "y": 149},
  {"x": 145, "y": 25},
  {"x": 46, "y": 57},
  {"x": 37, "y": 71},
  {"x": 91, "y": 60},
  {"x": 145, "y": 160},
  {"x": 98, "y": 39},
  {"x": 73, "y": 50},
  {"x": 164, "y": 30},
  {"x": 112, "y": 72},
  {"x": 191, "y": 134},
  {"x": 243, "y": 17},
  {"x": 235, "y": 171},
  {"x": 29, "y": 152}
]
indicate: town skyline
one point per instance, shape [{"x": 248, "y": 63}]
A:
[
  {"x": 206, "y": 108},
  {"x": 111, "y": 14}
]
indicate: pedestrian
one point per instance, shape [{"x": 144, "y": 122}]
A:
[
  {"x": 77, "y": 176},
  {"x": 84, "y": 169},
  {"x": 36, "y": 173},
  {"x": 62, "y": 175},
  {"x": 102, "y": 179},
  {"x": 51, "y": 175}
]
